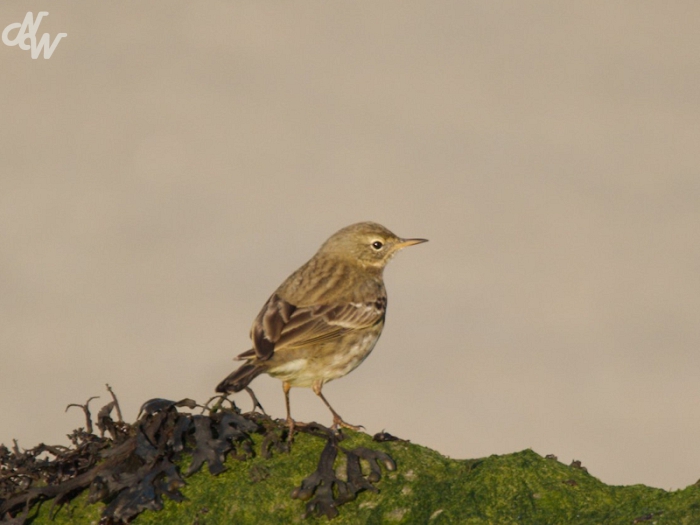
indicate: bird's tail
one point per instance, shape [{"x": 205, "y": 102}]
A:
[{"x": 241, "y": 378}]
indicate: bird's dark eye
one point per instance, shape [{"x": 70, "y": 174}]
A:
[{"x": 377, "y": 245}]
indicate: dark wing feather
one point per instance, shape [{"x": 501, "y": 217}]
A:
[
  {"x": 282, "y": 325},
  {"x": 269, "y": 324}
]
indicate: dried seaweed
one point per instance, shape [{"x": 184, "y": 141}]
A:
[
  {"x": 382, "y": 437},
  {"x": 326, "y": 491},
  {"x": 133, "y": 467}
]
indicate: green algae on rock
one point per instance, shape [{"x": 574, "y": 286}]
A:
[{"x": 426, "y": 487}]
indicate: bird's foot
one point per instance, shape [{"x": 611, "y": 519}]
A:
[
  {"x": 338, "y": 422},
  {"x": 291, "y": 425}
]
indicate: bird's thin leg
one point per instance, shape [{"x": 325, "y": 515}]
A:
[
  {"x": 290, "y": 422},
  {"x": 256, "y": 403},
  {"x": 337, "y": 420}
]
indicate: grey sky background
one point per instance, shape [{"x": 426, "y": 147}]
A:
[{"x": 173, "y": 162}]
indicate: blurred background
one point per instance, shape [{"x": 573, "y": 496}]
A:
[{"x": 173, "y": 162}]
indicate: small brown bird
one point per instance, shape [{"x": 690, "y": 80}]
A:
[{"x": 325, "y": 319}]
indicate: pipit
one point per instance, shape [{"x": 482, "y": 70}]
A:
[{"x": 325, "y": 318}]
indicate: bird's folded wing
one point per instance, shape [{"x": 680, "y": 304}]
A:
[{"x": 282, "y": 325}]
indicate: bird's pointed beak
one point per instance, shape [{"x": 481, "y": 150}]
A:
[{"x": 409, "y": 242}]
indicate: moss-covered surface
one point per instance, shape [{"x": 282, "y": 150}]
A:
[{"x": 427, "y": 487}]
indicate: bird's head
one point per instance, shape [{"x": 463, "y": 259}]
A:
[{"x": 368, "y": 243}]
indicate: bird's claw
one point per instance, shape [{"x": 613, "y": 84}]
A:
[{"x": 338, "y": 422}]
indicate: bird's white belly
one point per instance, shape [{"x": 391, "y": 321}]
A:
[
  {"x": 346, "y": 362},
  {"x": 305, "y": 371}
]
